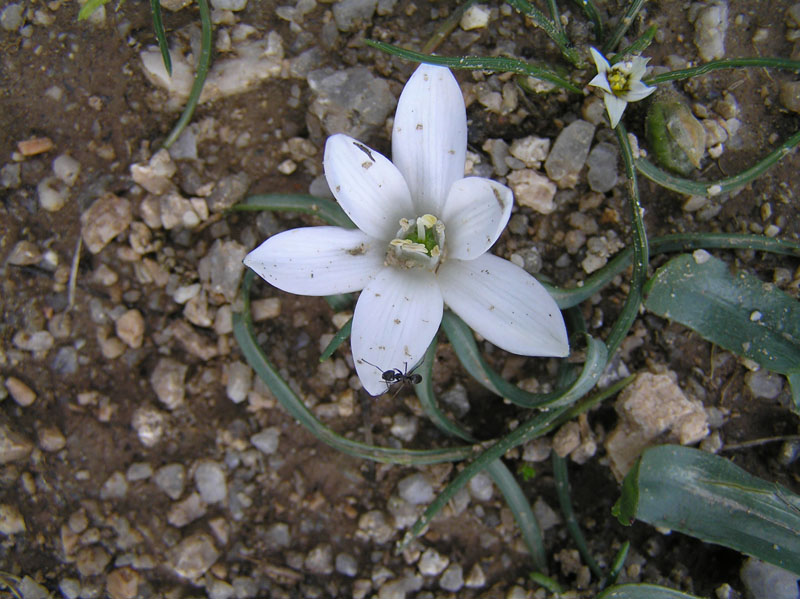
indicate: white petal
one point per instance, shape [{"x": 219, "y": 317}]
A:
[
  {"x": 429, "y": 141},
  {"x": 638, "y": 91},
  {"x": 318, "y": 260},
  {"x": 600, "y": 80},
  {"x": 395, "y": 319},
  {"x": 615, "y": 107},
  {"x": 638, "y": 67},
  {"x": 599, "y": 61},
  {"x": 475, "y": 213},
  {"x": 505, "y": 305},
  {"x": 367, "y": 185}
]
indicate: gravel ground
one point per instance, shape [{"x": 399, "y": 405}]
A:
[{"x": 139, "y": 454}]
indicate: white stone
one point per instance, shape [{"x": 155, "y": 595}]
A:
[
  {"x": 415, "y": 489},
  {"x": 52, "y": 193},
  {"x": 267, "y": 440},
  {"x": 67, "y": 169},
  {"x": 533, "y": 190},
  {"x": 210, "y": 480},
  {"x": 476, "y": 17}
]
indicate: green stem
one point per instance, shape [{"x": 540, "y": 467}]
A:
[
  {"x": 591, "y": 12},
  {"x": 640, "y": 249},
  {"x": 637, "y": 47},
  {"x": 327, "y": 210},
  {"x": 712, "y": 188},
  {"x": 679, "y": 242},
  {"x": 497, "y": 470},
  {"x": 245, "y": 336},
  {"x": 562, "y": 490},
  {"x": 624, "y": 23},
  {"x": 726, "y": 63},
  {"x": 554, "y": 31},
  {"x": 496, "y": 64},
  {"x": 200, "y": 75},
  {"x": 446, "y": 27},
  {"x": 161, "y": 36}
]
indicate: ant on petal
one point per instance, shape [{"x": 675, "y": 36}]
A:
[{"x": 395, "y": 375}]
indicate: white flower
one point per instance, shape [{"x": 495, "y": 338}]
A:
[
  {"x": 424, "y": 231},
  {"x": 621, "y": 83}
]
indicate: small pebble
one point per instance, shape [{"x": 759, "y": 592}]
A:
[
  {"x": 346, "y": 564},
  {"x": 115, "y": 487},
  {"x": 452, "y": 579},
  {"x": 11, "y": 521},
  {"x": 171, "y": 479},
  {"x": 139, "y": 471},
  {"x": 432, "y": 563},
  {"x": 149, "y": 425},
  {"x": 481, "y": 487},
  {"x": 569, "y": 152},
  {"x": 209, "y": 477},
  {"x": 415, "y": 489},
  {"x": 763, "y": 383},
  {"x": 70, "y": 588},
  {"x": 267, "y": 440},
  {"x": 106, "y": 218},
  {"x": 36, "y": 341},
  {"x": 123, "y": 583},
  {"x": 475, "y": 17},
  {"x": 92, "y": 560},
  {"x": 51, "y": 439},
  {"x": 193, "y": 556},
  {"x": 35, "y": 145},
  {"x": 20, "y": 392},
  {"x": 155, "y": 175},
  {"x": 186, "y": 511},
  {"x": 130, "y": 328},
  {"x": 765, "y": 581},
  {"x": 320, "y": 559},
  {"x": 240, "y": 380},
  {"x": 12, "y": 17},
  {"x": 67, "y": 169},
  {"x": 167, "y": 381},
  {"x": 24, "y": 253}
]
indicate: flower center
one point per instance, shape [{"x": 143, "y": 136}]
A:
[
  {"x": 619, "y": 79},
  {"x": 418, "y": 244}
]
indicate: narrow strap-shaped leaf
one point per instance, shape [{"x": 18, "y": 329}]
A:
[
  {"x": 245, "y": 336},
  {"x": 496, "y": 64},
  {"x": 203, "y": 65},
  {"x": 327, "y": 210},
  {"x": 643, "y": 591},
  {"x": 87, "y": 9},
  {"x": 622, "y": 26},
  {"x": 725, "y": 63},
  {"x": 161, "y": 36},
  {"x": 463, "y": 342},
  {"x": 679, "y": 242},
  {"x": 709, "y": 497},
  {"x": 713, "y": 188},
  {"x": 515, "y": 498}
]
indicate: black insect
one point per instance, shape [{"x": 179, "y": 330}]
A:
[{"x": 395, "y": 375}]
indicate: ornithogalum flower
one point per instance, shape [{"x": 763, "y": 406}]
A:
[
  {"x": 621, "y": 83},
  {"x": 424, "y": 231}
]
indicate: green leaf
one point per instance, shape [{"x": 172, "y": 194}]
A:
[
  {"x": 736, "y": 311},
  {"x": 642, "y": 591},
  {"x": 709, "y": 497},
  {"x": 87, "y": 9},
  {"x": 327, "y": 210}
]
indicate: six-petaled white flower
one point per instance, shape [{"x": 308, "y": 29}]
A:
[
  {"x": 424, "y": 231},
  {"x": 622, "y": 83}
]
